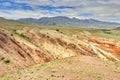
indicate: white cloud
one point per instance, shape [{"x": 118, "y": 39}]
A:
[
  {"x": 15, "y": 14},
  {"x": 100, "y": 9},
  {"x": 7, "y": 4}
]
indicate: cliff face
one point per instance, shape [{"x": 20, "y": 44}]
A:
[{"x": 27, "y": 47}]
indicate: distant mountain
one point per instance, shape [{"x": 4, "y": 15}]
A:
[
  {"x": 69, "y": 22},
  {"x": 13, "y": 24}
]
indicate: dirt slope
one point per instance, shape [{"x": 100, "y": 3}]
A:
[
  {"x": 16, "y": 53},
  {"x": 74, "y": 68},
  {"x": 30, "y": 46}
]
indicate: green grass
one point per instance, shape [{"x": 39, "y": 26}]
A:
[{"x": 106, "y": 33}]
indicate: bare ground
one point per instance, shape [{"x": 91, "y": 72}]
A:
[{"x": 73, "y": 68}]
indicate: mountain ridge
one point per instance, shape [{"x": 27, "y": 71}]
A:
[{"x": 68, "y": 22}]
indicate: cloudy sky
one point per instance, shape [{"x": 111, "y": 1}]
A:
[{"x": 108, "y": 10}]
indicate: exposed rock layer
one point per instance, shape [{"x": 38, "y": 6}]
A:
[{"x": 24, "y": 48}]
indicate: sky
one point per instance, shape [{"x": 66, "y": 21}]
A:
[{"x": 107, "y": 10}]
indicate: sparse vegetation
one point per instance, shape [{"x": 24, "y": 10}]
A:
[
  {"x": 7, "y": 61},
  {"x": 54, "y": 70},
  {"x": 57, "y": 30},
  {"x": 78, "y": 69},
  {"x": 106, "y": 31},
  {"x": 1, "y": 58},
  {"x": 22, "y": 35}
]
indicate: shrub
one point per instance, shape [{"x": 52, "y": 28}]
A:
[
  {"x": 22, "y": 35},
  {"x": 106, "y": 31},
  {"x": 7, "y": 61},
  {"x": 57, "y": 29},
  {"x": 1, "y": 58},
  {"x": 11, "y": 34}
]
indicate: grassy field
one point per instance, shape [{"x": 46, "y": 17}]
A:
[{"x": 106, "y": 33}]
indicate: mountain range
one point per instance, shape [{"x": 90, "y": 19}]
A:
[{"x": 69, "y": 22}]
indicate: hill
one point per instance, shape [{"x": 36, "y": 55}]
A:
[
  {"x": 13, "y": 24},
  {"x": 117, "y": 28},
  {"x": 69, "y": 22},
  {"x": 74, "y": 68},
  {"x": 23, "y": 46}
]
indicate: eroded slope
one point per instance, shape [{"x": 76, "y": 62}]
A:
[{"x": 27, "y": 47}]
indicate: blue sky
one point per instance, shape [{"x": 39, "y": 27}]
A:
[{"x": 108, "y": 10}]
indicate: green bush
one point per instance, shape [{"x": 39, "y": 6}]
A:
[
  {"x": 57, "y": 29},
  {"x": 7, "y": 61},
  {"x": 22, "y": 35},
  {"x": 107, "y": 32}
]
